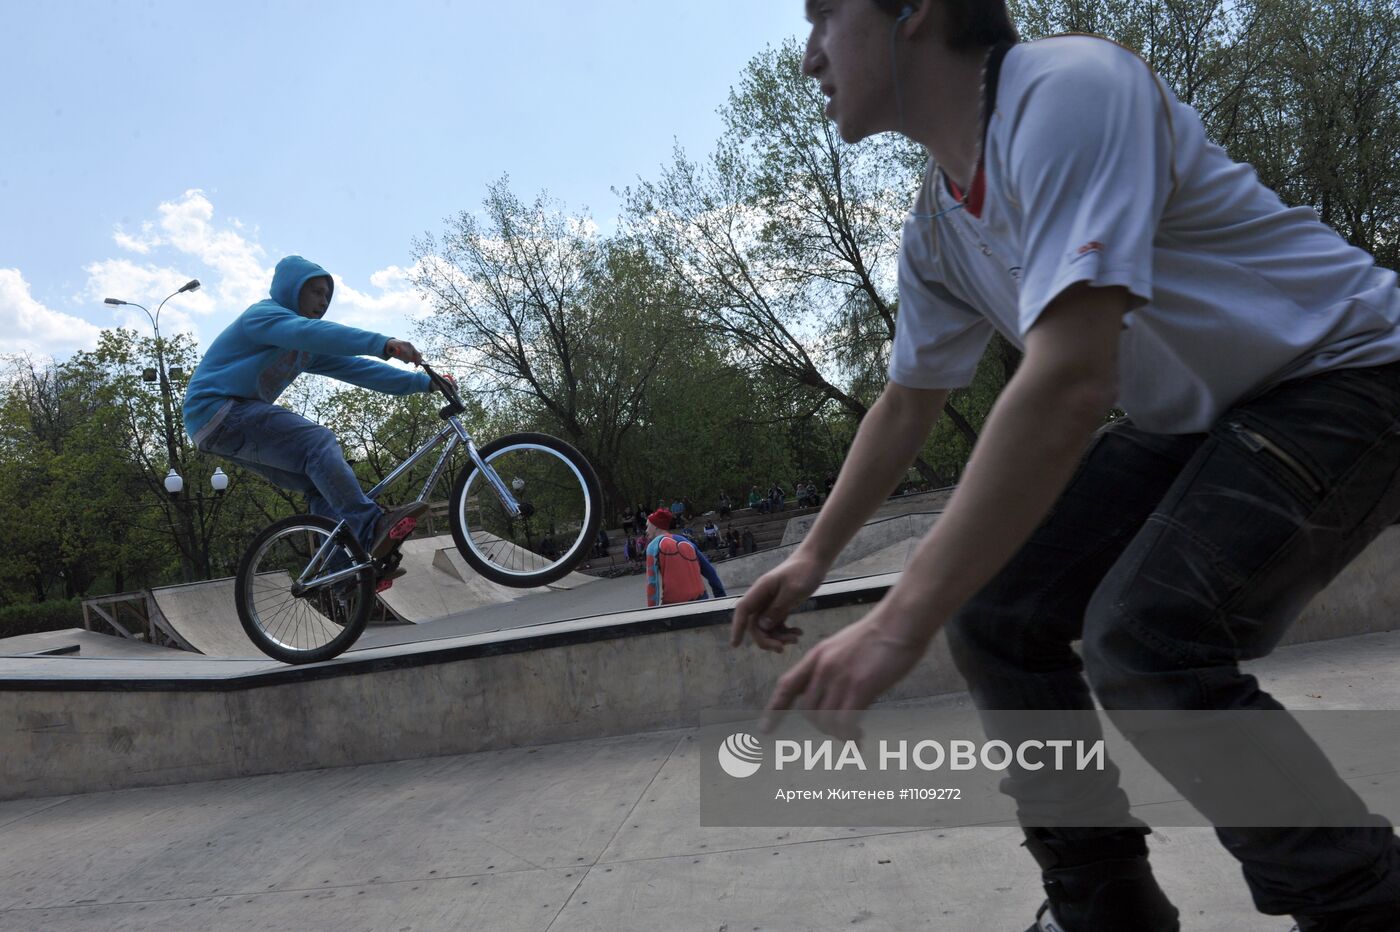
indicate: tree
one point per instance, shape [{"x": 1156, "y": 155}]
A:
[
  {"x": 152, "y": 428},
  {"x": 1343, "y": 82},
  {"x": 67, "y": 485},
  {"x": 785, "y": 240},
  {"x": 1306, "y": 92},
  {"x": 543, "y": 313}
]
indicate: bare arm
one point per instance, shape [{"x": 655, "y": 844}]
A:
[
  {"x": 1025, "y": 457},
  {"x": 886, "y": 443}
]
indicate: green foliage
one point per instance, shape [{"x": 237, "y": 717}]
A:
[
  {"x": 1306, "y": 92},
  {"x": 31, "y": 618},
  {"x": 84, "y": 449}
]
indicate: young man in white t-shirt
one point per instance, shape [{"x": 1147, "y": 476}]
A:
[{"x": 1072, "y": 204}]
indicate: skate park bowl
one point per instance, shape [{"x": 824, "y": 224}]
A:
[
  {"x": 201, "y": 617},
  {"x": 542, "y": 668},
  {"x": 439, "y": 583}
]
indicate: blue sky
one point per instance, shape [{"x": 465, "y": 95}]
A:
[{"x": 146, "y": 142}]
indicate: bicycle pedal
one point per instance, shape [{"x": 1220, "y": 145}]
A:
[{"x": 383, "y": 584}]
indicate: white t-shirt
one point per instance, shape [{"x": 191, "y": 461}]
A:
[{"x": 1096, "y": 173}]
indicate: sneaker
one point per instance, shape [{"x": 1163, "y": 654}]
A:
[
  {"x": 1384, "y": 918},
  {"x": 393, "y": 526}
]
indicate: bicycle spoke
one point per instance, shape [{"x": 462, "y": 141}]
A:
[
  {"x": 321, "y": 613},
  {"x": 554, "y": 519}
]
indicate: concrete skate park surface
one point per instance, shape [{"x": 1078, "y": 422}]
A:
[
  {"x": 880, "y": 547},
  {"x": 77, "y": 642},
  {"x": 72, "y": 724},
  {"x": 202, "y": 618},
  {"x": 599, "y": 835}
]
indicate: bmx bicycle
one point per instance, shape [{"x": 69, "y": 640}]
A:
[{"x": 524, "y": 512}]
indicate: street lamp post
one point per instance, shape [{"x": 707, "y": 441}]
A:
[
  {"x": 175, "y": 483},
  {"x": 163, "y": 376},
  {"x": 175, "y": 487}
]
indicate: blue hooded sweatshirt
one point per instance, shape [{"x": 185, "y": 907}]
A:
[{"x": 270, "y": 344}]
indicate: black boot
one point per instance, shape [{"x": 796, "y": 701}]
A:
[{"x": 1099, "y": 885}]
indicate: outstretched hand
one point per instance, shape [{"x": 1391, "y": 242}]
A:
[
  {"x": 841, "y": 676},
  {"x": 763, "y": 610}
]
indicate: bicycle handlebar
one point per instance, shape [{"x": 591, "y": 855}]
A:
[{"x": 448, "y": 390}]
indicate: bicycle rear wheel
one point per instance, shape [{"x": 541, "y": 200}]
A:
[
  {"x": 289, "y": 622},
  {"x": 559, "y": 498}
]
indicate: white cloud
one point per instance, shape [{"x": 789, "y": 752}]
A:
[
  {"x": 223, "y": 255},
  {"x": 186, "y": 238},
  {"x": 393, "y": 310},
  {"x": 236, "y": 275},
  {"x": 189, "y": 228},
  {"x": 30, "y": 327}
]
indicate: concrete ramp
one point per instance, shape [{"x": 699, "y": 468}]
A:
[
  {"x": 891, "y": 559},
  {"x": 201, "y": 617},
  {"x": 876, "y": 548},
  {"x": 918, "y": 503},
  {"x": 439, "y": 583},
  {"x": 449, "y": 554}
]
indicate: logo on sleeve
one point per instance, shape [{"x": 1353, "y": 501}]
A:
[{"x": 1091, "y": 246}]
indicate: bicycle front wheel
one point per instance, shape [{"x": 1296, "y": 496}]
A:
[
  {"x": 559, "y": 511},
  {"x": 284, "y": 611}
]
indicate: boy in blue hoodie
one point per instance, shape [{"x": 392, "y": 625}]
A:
[{"x": 230, "y": 410}]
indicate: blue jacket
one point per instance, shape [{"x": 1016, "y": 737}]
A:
[{"x": 270, "y": 344}]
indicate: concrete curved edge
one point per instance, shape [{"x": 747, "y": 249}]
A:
[{"x": 223, "y": 674}]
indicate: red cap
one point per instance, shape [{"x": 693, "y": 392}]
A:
[{"x": 662, "y": 518}]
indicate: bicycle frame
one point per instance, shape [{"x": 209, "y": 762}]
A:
[{"x": 453, "y": 434}]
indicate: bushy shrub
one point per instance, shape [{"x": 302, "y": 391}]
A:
[{"x": 32, "y": 617}]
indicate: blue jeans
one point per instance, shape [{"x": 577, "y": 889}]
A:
[
  {"x": 1175, "y": 557},
  {"x": 294, "y": 453}
]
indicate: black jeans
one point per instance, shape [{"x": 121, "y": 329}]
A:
[{"x": 1175, "y": 557}]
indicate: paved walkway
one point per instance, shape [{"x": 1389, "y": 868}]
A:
[{"x": 592, "y": 836}]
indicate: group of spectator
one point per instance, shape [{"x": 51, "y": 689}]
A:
[
  {"x": 730, "y": 542},
  {"x": 807, "y": 495},
  {"x": 711, "y": 537},
  {"x": 683, "y": 512},
  {"x": 726, "y": 542}
]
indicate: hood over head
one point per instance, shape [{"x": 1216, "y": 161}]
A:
[{"x": 293, "y": 272}]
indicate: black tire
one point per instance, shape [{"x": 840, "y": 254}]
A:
[
  {"x": 303, "y": 628},
  {"x": 562, "y": 490}
]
